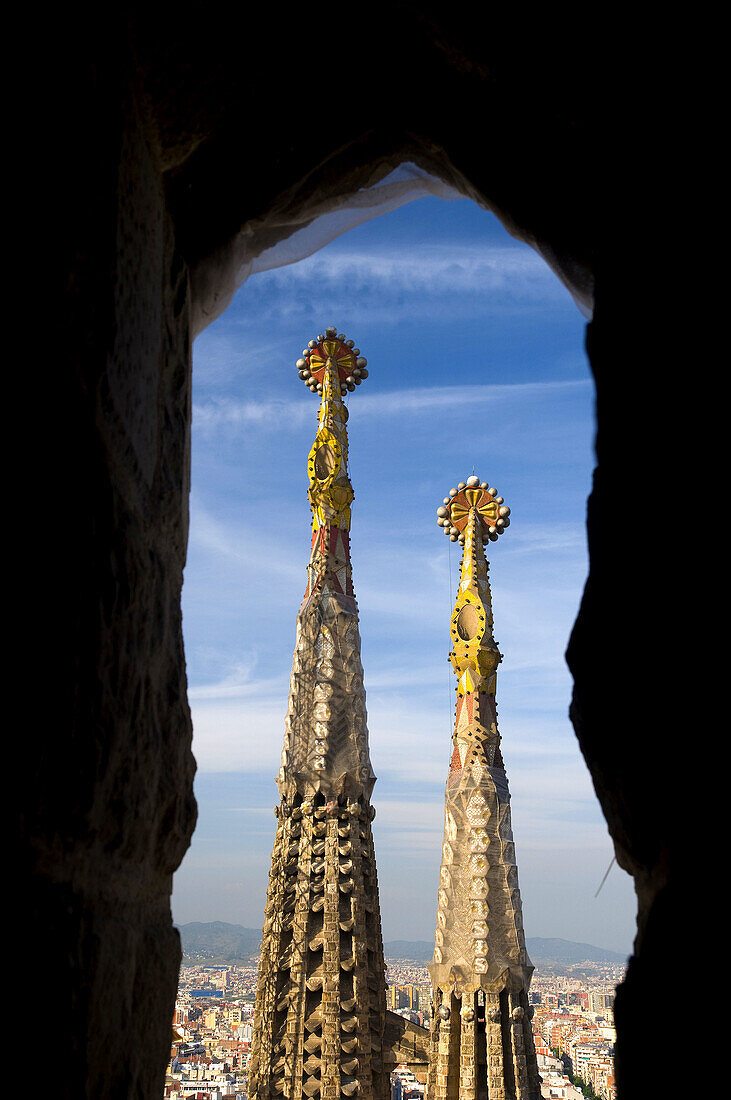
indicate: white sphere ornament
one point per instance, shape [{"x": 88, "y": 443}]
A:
[
  {"x": 473, "y": 482},
  {"x": 453, "y": 492},
  {"x": 441, "y": 511},
  {"x": 492, "y": 492}
]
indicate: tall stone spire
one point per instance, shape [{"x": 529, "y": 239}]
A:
[
  {"x": 481, "y": 1041},
  {"x": 320, "y": 1002}
]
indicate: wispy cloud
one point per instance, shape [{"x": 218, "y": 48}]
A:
[
  {"x": 238, "y": 735},
  {"x": 240, "y": 544},
  {"x": 406, "y": 280},
  {"x": 209, "y": 416}
]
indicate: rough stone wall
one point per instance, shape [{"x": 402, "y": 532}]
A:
[
  {"x": 320, "y": 1006},
  {"x": 552, "y": 136},
  {"x": 107, "y": 766},
  {"x": 633, "y": 770},
  {"x": 405, "y": 1043}
]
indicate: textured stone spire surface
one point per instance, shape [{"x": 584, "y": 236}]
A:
[
  {"x": 320, "y": 1004},
  {"x": 481, "y": 1039}
]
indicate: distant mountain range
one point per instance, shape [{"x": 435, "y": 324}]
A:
[
  {"x": 218, "y": 943},
  {"x": 540, "y": 950},
  {"x": 567, "y": 951}
]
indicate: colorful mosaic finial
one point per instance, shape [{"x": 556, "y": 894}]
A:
[
  {"x": 491, "y": 509},
  {"x": 332, "y": 347},
  {"x": 482, "y": 1041},
  {"x": 331, "y": 368}
]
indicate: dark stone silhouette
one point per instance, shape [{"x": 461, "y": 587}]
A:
[{"x": 161, "y": 133}]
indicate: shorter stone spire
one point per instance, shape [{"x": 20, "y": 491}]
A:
[{"x": 482, "y": 1042}]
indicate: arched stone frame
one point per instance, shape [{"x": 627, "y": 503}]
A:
[{"x": 154, "y": 133}]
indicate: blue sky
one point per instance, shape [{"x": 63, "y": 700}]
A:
[{"x": 476, "y": 361}]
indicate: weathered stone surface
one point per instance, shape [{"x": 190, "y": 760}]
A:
[
  {"x": 405, "y": 1043},
  {"x": 322, "y": 970}
]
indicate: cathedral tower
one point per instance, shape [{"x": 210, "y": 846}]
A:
[
  {"x": 320, "y": 1003},
  {"x": 481, "y": 1040}
]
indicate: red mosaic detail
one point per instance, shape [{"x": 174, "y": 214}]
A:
[
  {"x": 479, "y": 499},
  {"x": 345, "y": 539},
  {"x": 342, "y": 354},
  {"x": 332, "y": 542},
  {"x": 456, "y": 762},
  {"x": 326, "y": 537}
]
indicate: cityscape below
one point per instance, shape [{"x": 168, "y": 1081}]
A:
[
  {"x": 316, "y": 1006},
  {"x": 571, "y": 998}
]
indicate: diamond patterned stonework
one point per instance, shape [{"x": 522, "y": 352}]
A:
[{"x": 481, "y": 1044}]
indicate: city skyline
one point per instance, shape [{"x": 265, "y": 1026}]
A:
[{"x": 445, "y": 306}]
